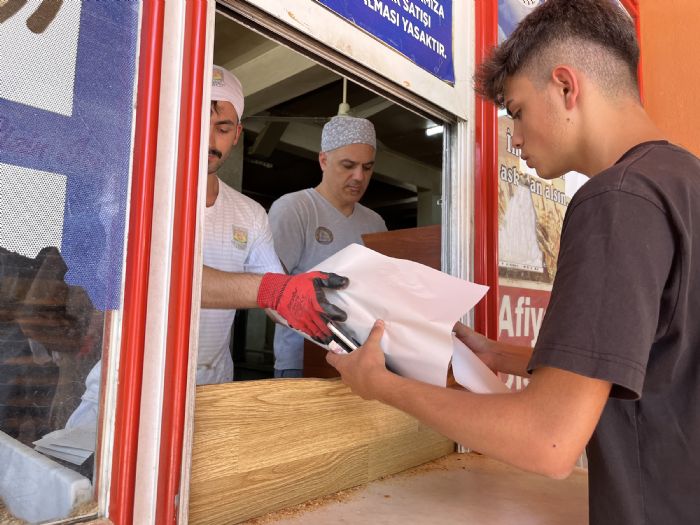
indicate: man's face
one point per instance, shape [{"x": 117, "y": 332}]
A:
[
  {"x": 224, "y": 130},
  {"x": 347, "y": 171},
  {"x": 539, "y": 126}
]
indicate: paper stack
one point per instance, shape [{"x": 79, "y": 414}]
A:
[
  {"x": 74, "y": 445},
  {"x": 419, "y": 306}
]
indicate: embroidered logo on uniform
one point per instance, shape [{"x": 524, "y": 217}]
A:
[
  {"x": 240, "y": 237},
  {"x": 217, "y": 77},
  {"x": 324, "y": 235}
]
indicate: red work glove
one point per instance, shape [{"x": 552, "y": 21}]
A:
[{"x": 301, "y": 301}]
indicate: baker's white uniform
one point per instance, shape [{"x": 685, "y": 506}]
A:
[{"x": 237, "y": 238}]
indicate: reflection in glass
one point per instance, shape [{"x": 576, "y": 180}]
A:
[{"x": 66, "y": 108}]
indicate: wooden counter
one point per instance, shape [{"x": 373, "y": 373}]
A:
[{"x": 456, "y": 489}]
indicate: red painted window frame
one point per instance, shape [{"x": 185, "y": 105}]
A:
[
  {"x": 632, "y": 7},
  {"x": 485, "y": 182},
  {"x": 486, "y": 169},
  {"x": 130, "y": 378},
  {"x": 182, "y": 263}
]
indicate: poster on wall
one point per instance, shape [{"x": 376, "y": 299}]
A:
[
  {"x": 530, "y": 213},
  {"x": 520, "y": 313},
  {"x": 530, "y": 216},
  {"x": 421, "y": 30}
]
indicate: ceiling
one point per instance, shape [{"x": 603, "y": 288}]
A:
[{"x": 288, "y": 99}]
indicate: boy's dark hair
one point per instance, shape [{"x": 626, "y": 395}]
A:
[{"x": 595, "y": 36}]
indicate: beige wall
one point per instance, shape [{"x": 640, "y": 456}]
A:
[{"x": 671, "y": 67}]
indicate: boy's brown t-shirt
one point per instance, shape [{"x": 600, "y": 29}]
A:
[{"x": 625, "y": 308}]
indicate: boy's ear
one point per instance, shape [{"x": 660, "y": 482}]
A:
[{"x": 566, "y": 82}]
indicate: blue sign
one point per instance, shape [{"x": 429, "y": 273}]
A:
[
  {"x": 82, "y": 134},
  {"x": 419, "y": 29}
]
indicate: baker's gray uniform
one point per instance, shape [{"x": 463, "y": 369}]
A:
[{"x": 308, "y": 229}]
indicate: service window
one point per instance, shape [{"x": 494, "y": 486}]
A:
[
  {"x": 288, "y": 99},
  {"x": 67, "y": 76},
  {"x": 300, "y": 64}
]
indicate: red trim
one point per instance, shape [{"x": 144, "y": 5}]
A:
[
  {"x": 632, "y": 7},
  {"x": 486, "y": 188},
  {"x": 185, "y": 221},
  {"x": 638, "y": 26},
  {"x": 640, "y": 76},
  {"x": 121, "y": 502}
]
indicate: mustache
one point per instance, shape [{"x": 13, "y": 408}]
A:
[{"x": 215, "y": 152}]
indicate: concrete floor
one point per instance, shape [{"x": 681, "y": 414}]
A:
[{"x": 460, "y": 488}]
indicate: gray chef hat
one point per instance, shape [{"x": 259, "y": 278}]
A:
[{"x": 343, "y": 130}]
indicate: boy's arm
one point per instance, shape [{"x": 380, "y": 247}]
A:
[
  {"x": 543, "y": 428},
  {"x": 498, "y": 356}
]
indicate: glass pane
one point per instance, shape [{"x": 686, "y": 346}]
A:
[{"x": 67, "y": 75}]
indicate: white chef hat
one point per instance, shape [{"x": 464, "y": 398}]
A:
[
  {"x": 343, "y": 130},
  {"x": 225, "y": 86}
]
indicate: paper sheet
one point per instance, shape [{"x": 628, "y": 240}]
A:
[
  {"x": 74, "y": 445},
  {"x": 472, "y": 373},
  {"x": 419, "y": 306}
]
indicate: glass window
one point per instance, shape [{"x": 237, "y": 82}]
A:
[{"x": 67, "y": 75}]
